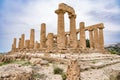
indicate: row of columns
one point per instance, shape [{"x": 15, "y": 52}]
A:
[
  {"x": 61, "y": 38},
  {"x": 95, "y": 35},
  {"x": 96, "y": 38},
  {"x": 31, "y": 44}
]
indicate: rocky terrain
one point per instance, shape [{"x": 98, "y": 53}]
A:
[{"x": 40, "y": 66}]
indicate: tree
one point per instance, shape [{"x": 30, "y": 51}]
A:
[{"x": 88, "y": 43}]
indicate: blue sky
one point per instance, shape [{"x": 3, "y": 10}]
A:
[{"x": 19, "y": 16}]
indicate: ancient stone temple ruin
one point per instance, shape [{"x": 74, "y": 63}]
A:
[{"x": 63, "y": 41}]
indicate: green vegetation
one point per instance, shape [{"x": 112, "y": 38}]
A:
[
  {"x": 58, "y": 70},
  {"x": 114, "y": 49},
  {"x": 6, "y": 62},
  {"x": 22, "y": 62},
  {"x": 3, "y": 52},
  {"x": 94, "y": 61},
  {"x": 3, "y": 63},
  {"x": 63, "y": 76},
  {"x": 88, "y": 43},
  {"x": 39, "y": 76}
]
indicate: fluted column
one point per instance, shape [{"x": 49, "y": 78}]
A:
[
  {"x": 73, "y": 36},
  {"x": 101, "y": 38},
  {"x": 19, "y": 43},
  {"x": 91, "y": 39},
  {"x": 60, "y": 31},
  {"x": 50, "y": 41},
  {"x": 32, "y": 37},
  {"x": 22, "y": 40},
  {"x": 43, "y": 36},
  {"x": 14, "y": 44},
  {"x": 82, "y": 35},
  {"x": 96, "y": 38}
]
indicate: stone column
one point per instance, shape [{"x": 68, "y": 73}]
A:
[
  {"x": 43, "y": 36},
  {"x": 19, "y": 43},
  {"x": 27, "y": 44},
  {"x": 49, "y": 42},
  {"x": 101, "y": 38},
  {"x": 32, "y": 37},
  {"x": 96, "y": 36},
  {"x": 82, "y": 36},
  {"x": 68, "y": 40},
  {"x": 14, "y": 44},
  {"x": 91, "y": 39},
  {"x": 36, "y": 45},
  {"x": 60, "y": 31},
  {"x": 73, "y": 36},
  {"x": 22, "y": 40}
]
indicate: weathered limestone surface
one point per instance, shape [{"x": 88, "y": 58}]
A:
[
  {"x": 16, "y": 72},
  {"x": 67, "y": 8},
  {"x": 14, "y": 45},
  {"x": 22, "y": 40},
  {"x": 101, "y": 38},
  {"x": 27, "y": 44},
  {"x": 73, "y": 36},
  {"x": 73, "y": 70},
  {"x": 49, "y": 41},
  {"x": 61, "y": 31},
  {"x": 32, "y": 37},
  {"x": 19, "y": 43},
  {"x": 36, "y": 45},
  {"x": 43, "y": 36},
  {"x": 91, "y": 39},
  {"x": 96, "y": 44},
  {"x": 82, "y": 36}
]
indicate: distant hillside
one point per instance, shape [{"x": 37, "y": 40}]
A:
[{"x": 113, "y": 48}]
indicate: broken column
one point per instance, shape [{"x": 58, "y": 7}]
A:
[
  {"x": 82, "y": 36},
  {"x": 43, "y": 36},
  {"x": 73, "y": 35},
  {"x": 96, "y": 36},
  {"x": 27, "y": 44},
  {"x": 14, "y": 45},
  {"x": 49, "y": 42},
  {"x": 60, "y": 31},
  {"x": 36, "y": 45},
  {"x": 22, "y": 40},
  {"x": 101, "y": 38},
  {"x": 32, "y": 37},
  {"x": 19, "y": 43},
  {"x": 91, "y": 38},
  {"x": 73, "y": 70}
]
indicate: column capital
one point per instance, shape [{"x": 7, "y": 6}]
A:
[
  {"x": 58, "y": 11},
  {"x": 90, "y": 29},
  {"x": 72, "y": 16}
]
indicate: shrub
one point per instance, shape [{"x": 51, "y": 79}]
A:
[
  {"x": 88, "y": 43},
  {"x": 63, "y": 76},
  {"x": 58, "y": 70},
  {"x": 37, "y": 76}
]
